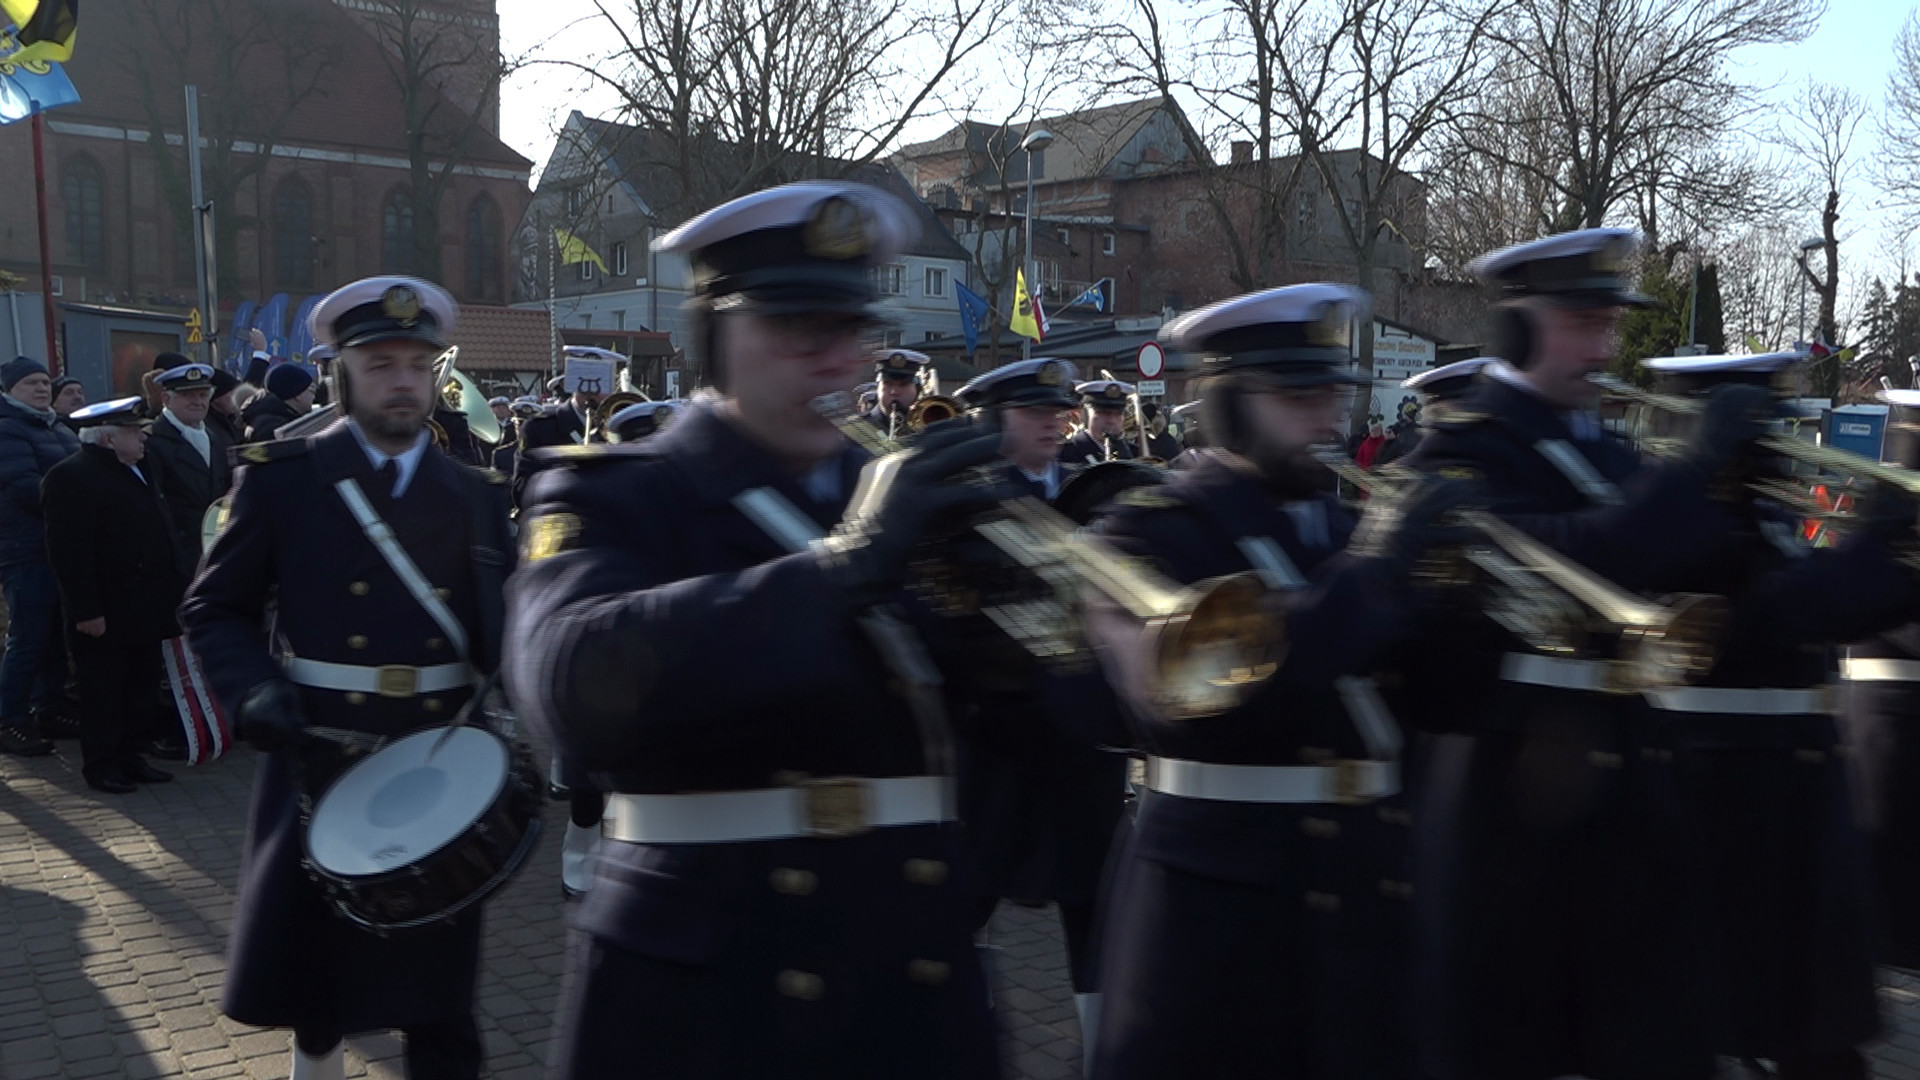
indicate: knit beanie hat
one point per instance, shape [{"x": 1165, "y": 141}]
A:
[
  {"x": 19, "y": 368},
  {"x": 288, "y": 381}
]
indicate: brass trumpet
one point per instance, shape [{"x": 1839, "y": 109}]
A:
[
  {"x": 1666, "y": 645},
  {"x": 930, "y": 409},
  {"x": 600, "y": 418},
  {"x": 1214, "y": 643}
]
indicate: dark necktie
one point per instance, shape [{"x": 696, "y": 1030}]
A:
[{"x": 389, "y": 475}]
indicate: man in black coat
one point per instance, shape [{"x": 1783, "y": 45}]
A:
[
  {"x": 289, "y": 396},
  {"x": 782, "y": 890},
  {"x": 1105, "y": 435},
  {"x": 353, "y": 647},
  {"x": 188, "y": 455},
  {"x": 34, "y": 665},
  {"x": 562, "y": 424},
  {"x": 112, "y": 549}
]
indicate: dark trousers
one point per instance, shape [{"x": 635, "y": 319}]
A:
[
  {"x": 448, "y": 1050},
  {"x": 116, "y": 697},
  {"x": 33, "y": 671}
]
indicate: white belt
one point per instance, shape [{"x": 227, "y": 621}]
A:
[
  {"x": 1597, "y": 676},
  {"x": 1760, "y": 701},
  {"x": 389, "y": 680},
  {"x": 1337, "y": 782},
  {"x": 828, "y": 808},
  {"x": 1865, "y": 669}
]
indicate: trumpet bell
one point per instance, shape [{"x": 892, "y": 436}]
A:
[
  {"x": 931, "y": 409},
  {"x": 1222, "y": 646},
  {"x": 463, "y": 397},
  {"x": 601, "y": 419}
]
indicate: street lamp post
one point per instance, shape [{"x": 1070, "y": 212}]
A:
[
  {"x": 1807, "y": 247},
  {"x": 1034, "y": 143}
]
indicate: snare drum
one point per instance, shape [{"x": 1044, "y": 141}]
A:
[{"x": 400, "y": 841}]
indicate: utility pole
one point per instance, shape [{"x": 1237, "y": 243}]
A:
[{"x": 205, "y": 297}]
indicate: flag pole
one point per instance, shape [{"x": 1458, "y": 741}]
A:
[{"x": 46, "y": 246}]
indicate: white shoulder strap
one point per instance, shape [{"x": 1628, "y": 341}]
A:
[
  {"x": 402, "y": 565},
  {"x": 1271, "y": 563},
  {"x": 1579, "y": 471},
  {"x": 1369, "y": 714}
]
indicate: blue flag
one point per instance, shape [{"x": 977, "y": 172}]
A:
[
  {"x": 271, "y": 320},
  {"x": 300, "y": 335},
  {"x": 975, "y": 314},
  {"x": 239, "y": 346},
  {"x": 33, "y": 86},
  {"x": 1098, "y": 296}
]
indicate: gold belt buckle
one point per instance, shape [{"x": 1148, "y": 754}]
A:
[
  {"x": 396, "y": 681},
  {"x": 836, "y": 807},
  {"x": 1347, "y": 775}
]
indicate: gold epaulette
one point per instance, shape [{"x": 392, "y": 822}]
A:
[
  {"x": 1149, "y": 497},
  {"x": 261, "y": 453}
]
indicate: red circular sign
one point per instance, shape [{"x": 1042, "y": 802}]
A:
[{"x": 1152, "y": 360}]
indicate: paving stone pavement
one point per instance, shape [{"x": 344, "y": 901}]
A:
[{"x": 114, "y": 913}]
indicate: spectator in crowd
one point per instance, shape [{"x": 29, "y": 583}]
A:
[
  {"x": 224, "y": 415},
  {"x": 187, "y": 458},
  {"x": 290, "y": 389},
  {"x": 68, "y": 395},
  {"x": 1369, "y": 447},
  {"x": 33, "y": 668},
  {"x": 113, "y": 553}
]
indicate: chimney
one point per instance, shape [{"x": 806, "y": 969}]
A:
[{"x": 1242, "y": 151}]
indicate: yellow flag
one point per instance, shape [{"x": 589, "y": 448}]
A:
[
  {"x": 1023, "y": 322},
  {"x": 44, "y": 31},
  {"x": 575, "y": 250}
]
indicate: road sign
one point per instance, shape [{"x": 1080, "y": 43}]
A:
[
  {"x": 1150, "y": 387},
  {"x": 193, "y": 327},
  {"x": 1152, "y": 361}
]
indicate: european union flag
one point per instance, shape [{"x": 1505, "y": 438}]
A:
[
  {"x": 31, "y": 86},
  {"x": 975, "y": 314}
]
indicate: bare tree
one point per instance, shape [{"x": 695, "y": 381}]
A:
[
  {"x": 1820, "y": 133},
  {"x": 1638, "y": 101},
  {"x": 425, "y": 50},
  {"x": 256, "y": 63},
  {"x": 1366, "y": 87},
  {"x": 1760, "y": 288},
  {"x": 1897, "y": 157},
  {"x": 736, "y": 95}
]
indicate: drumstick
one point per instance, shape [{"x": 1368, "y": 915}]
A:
[
  {"x": 460, "y": 718},
  {"x": 357, "y": 741}
]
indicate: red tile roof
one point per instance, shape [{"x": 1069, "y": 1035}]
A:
[{"x": 503, "y": 339}]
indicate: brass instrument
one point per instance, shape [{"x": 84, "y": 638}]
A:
[
  {"x": 214, "y": 521},
  {"x": 439, "y": 434},
  {"x": 463, "y": 397},
  {"x": 1831, "y": 458},
  {"x": 600, "y": 417},
  {"x": 894, "y": 416},
  {"x": 930, "y": 409},
  {"x": 1213, "y": 643},
  {"x": 1666, "y": 645}
]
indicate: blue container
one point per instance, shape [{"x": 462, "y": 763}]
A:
[{"x": 1859, "y": 428}]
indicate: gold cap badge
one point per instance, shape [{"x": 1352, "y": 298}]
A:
[
  {"x": 837, "y": 230},
  {"x": 401, "y": 304}
]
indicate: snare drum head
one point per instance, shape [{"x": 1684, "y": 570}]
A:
[{"x": 397, "y": 807}]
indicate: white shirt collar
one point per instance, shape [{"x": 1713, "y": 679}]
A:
[
  {"x": 406, "y": 461},
  {"x": 1048, "y": 478}
]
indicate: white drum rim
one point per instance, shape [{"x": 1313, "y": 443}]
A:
[{"x": 344, "y": 846}]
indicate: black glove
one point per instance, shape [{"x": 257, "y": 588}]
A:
[
  {"x": 272, "y": 717},
  {"x": 1735, "y": 415},
  {"x": 868, "y": 551},
  {"x": 1402, "y": 528}
]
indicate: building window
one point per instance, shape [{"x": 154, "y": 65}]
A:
[
  {"x": 483, "y": 250},
  {"x": 929, "y": 335},
  {"x": 396, "y": 234},
  {"x": 1306, "y": 212},
  {"x": 586, "y": 269},
  {"x": 1106, "y": 243},
  {"x": 82, "y": 192},
  {"x": 576, "y": 202},
  {"x": 620, "y": 259},
  {"x": 1065, "y": 236},
  {"x": 293, "y": 235},
  {"x": 891, "y": 280},
  {"x": 936, "y": 281},
  {"x": 890, "y": 339}
]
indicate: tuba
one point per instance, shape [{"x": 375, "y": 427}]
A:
[{"x": 463, "y": 397}]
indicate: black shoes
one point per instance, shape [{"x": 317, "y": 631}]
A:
[
  {"x": 54, "y": 725},
  {"x": 139, "y": 771},
  {"x": 20, "y": 742},
  {"x": 111, "y": 782},
  {"x": 168, "y": 749}
]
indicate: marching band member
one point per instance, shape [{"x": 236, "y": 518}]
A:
[
  {"x": 1441, "y": 389},
  {"x": 1039, "y": 798},
  {"x": 384, "y": 563},
  {"x": 896, "y": 376},
  {"x": 781, "y": 891},
  {"x": 563, "y": 423},
  {"x": 1561, "y": 928},
  {"x": 641, "y": 419},
  {"x": 1104, "y": 436},
  {"x": 1758, "y": 763},
  {"x": 1258, "y": 923}
]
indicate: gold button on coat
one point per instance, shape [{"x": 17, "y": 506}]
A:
[
  {"x": 434, "y": 643},
  {"x": 357, "y": 641},
  {"x": 355, "y": 697},
  {"x": 1320, "y": 828},
  {"x": 1325, "y": 902},
  {"x": 431, "y": 704},
  {"x": 804, "y": 985},
  {"x": 928, "y": 972},
  {"x": 1602, "y": 759},
  {"x": 358, "y": 588},
  {"x": 924, "y": 871},
  {"x": 793, "y": 882}
]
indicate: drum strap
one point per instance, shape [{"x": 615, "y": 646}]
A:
[
  {"x": 402, "y": 565},
  {"x": 900, "y": 648},
  {"x": 1579, "y": 471}
]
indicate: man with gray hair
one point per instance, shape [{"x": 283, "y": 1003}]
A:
[{"x": 112, "y": 548}]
